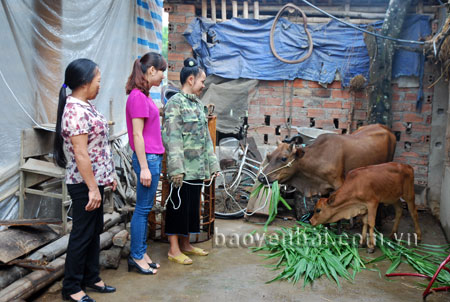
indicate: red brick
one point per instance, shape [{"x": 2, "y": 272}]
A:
[
  {"x": 412, "y": 117},
  {"x": 274, "y": 101},
  {"x": 305, "y": 92},
  {"x": 410, "y": 154},
  {"x": 168, "y": 8},
  {"x": 321, "y": 93},
  {"x": 426, "y": 108},
  {"x": 312, "y": 84},
  {"x": 398, "y": 126},
  {"x": 338, "y": 113},
  {"x": 183, "y": 47},
  {"x": 258, "y": 101},
  {"x": 402, "y": 107},
  {"x": 297, "y": 103},
  {"x": 174, "y": 18},
  {"x": 396, "y": 97},
  {"x": 314, "y": 112},
  {"x": 346, "y": 105},
  {"x": 331, "y": 104},
  {"x": 173, "y": 76},
  {"x": 265, "y": 90},
  {"x": 360, "y": 115},
  {"x": 335, "y": 84},
  {"x": 176, "y": 57},
  {"x": 181, "y": 28},
  {"x": 274, "y": 83},
  {"x": 298, "y": 83},
  {"x": 185, "y": 8},
  {"x": 340, "y": 94},
  {"x": 410, "y": 96},
  {"x": 176, "y": 37}
]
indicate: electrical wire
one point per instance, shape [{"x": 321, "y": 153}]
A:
[
  {"x": 361, "y": 29},
  {"x": 21, "y": 106}
]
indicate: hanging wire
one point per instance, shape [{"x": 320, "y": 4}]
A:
[
  {"x": 361, "y": 29},
  {"x": 21, "y": 106}
]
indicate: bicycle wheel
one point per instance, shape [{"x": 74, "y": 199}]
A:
[{"x": 233, "y": 192}]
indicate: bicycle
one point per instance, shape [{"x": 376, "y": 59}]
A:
[{"x": 234, "y": 187}]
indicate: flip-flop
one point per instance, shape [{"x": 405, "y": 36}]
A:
[
  {"x": 181, "y": 259},
  {"x": 196, "y": 251}
]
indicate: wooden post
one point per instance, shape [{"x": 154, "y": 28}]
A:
[
  {"x": 235, "y": 11},
  {"x": 256, "y": 9},
  {"x": 224, "y": 10},
  {"x": 245, "y": 10},
  {"x": 48, "y": 16},
  {"x": 204, "y": 8},
  {"x": 213, "y": 10},
  {"x": 381, "y": 52}
]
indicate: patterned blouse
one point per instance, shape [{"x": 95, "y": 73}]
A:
[{"x": 81, "y": 117}]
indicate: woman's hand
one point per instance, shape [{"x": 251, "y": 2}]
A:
[
  {"x": 146, "y": 177},
  {"x": 95, "y": 200}
]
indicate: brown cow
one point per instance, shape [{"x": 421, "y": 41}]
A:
[
  {"x": 321, "y": 167},
  {"x": 363, "y": 189}
]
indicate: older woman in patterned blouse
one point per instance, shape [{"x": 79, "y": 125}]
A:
[{"x": 82, "y": 147}]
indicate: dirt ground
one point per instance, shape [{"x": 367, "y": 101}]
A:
[{"x": 234, "y": 273}]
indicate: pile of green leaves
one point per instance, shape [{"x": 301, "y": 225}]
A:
[
  {"x": 275, "y": 198},
  {"x": 308, "y": 253},
  {"x": 423, "y": 258}
]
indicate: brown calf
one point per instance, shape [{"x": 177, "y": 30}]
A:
[{"x": 362, "y": 191}]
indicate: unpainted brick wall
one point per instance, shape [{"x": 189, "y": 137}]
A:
[{"x": 313, "y": 102}]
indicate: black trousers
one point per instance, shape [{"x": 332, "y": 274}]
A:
[
  {"x": 82, "y": 258},
  {"x": 186, "y": 219}
]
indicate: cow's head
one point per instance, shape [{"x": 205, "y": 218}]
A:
[
  {"x": 322, "y": 211},
  {"x": 281, "y": 163}
]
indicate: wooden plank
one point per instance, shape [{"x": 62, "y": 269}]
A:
[
  {"x": 43, "y": 167},
  {"x": 213, "y": 10},
  {"x": 19, "y": 241},
  {"x": 224, "y": 10},
  {"x": 37, "y": 221},
  {"x": 36, "y": 142},
  {"x": 43, "y": 193},
  {"x": 256, "y": 9},
  {"x": 234, "y": 9}
]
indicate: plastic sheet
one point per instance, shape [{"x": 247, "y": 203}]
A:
[
  {"x": 239, "y": 48},
  {"x": 39, "y": 39}
]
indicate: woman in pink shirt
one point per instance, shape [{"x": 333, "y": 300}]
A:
[{"x": 144, "y": 134}]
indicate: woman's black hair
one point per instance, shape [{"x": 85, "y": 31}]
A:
[
  {"x": 140, "y": 66},
  {"x": 190, "y": 68},
  {"x": 78, "y": 73}
]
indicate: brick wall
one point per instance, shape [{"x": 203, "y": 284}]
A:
[
  {"x": 326, "y": 107},
  {"x": 329, "y": 108}
]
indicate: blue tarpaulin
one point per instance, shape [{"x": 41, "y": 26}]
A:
[{"x": 239, "y": 48}]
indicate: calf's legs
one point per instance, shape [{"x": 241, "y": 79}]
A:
[{"x": 398, "y": 214}]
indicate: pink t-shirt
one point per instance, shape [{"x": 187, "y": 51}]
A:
[{"x": 141, "y": 106}]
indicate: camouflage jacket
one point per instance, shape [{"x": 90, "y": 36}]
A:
[{"x": 185, "y": 135}]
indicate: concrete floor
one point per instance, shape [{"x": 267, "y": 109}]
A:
[{"x": 235, "y": 274}]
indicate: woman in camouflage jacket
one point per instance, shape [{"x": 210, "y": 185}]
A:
[{"x": 190, "y": 160}]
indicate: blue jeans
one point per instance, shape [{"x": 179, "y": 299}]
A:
[{"x": 144, "y": 203}]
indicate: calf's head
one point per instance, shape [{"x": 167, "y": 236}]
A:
[
  {"x": 323, "y": 212},
  {"x": 281, "y": 163}
]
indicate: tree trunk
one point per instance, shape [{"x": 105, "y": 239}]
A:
[{"x": 381, "y": 52}]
